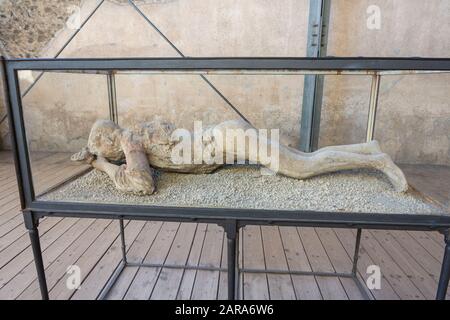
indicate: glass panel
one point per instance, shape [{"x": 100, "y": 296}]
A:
[
  {"x": 63, "y": 108},
  {"x": 345, "y": 108},
  {"x": 59, "y": 112},
  {"x": 401, "y": 28}
]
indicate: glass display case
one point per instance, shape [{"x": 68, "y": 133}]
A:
[{"x": 138, "y": 138}]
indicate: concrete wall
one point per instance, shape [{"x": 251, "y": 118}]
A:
[
  {"x": 414, "y": 116},
  {"x": 413, "y": 122}
]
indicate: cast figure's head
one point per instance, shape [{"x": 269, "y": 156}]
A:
[{"x": 104, "y": 140}]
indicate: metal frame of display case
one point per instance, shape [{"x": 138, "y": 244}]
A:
[{"x": 231, "y": 219}]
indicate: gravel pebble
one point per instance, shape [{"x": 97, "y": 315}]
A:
[{"x": 245, "y": 187}]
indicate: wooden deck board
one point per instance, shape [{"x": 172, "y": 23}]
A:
[
  {"x": 169, "y": 279},
  {"x": 330, "y": 287},
  {"x": 207, "y": 282},
  {"x": 255, "y": 284},
  {"x": 187, "y": 283},
  {"x": 347, "y": 239},
  {"x": 418, "y": 276},
  {"x": 57, "y": 270},
  {"x": 409, "y": 261},
  {"x": 100, "y": 274},
  {"x": 87, "y": 261},
  {"x": 26, "y": 276},
  {"x": 306, "y": 287},
  {"x": 137, "y": 253},
  {"x": 340, "y": 260},
  {"x": 143, "y": 283},
  {"x": 399, "y": 281},
  {"x": 281, "y": 286}
]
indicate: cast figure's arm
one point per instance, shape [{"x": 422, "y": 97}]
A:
[{"x": 136, "y": 176}]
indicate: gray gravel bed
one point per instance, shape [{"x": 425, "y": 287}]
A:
[{"x": 245, "y": 187}]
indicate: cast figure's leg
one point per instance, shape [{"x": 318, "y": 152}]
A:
[
  {"x": 371, "y": 147},
  {"x": 300, "y": 165},
  {"x": 344, "y": 157}
]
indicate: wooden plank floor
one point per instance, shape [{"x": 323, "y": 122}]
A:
[{"x": 409, "y": 261}]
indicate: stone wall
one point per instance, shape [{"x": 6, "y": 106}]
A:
[
  {"x": 413, "y": 120},
  {"x": 26, "y": 26}
]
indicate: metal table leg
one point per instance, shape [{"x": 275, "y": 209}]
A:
[
  {"x": 232, "y": 233},
  {"x": 356, "y": 254},
  {"x": 231, "y": 242},
  {"x": 122, "y": 241},
  {"x": 32, "y": 226},
  {"x": 445, "y": 271}
]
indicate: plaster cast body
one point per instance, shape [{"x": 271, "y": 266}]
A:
[{"x": 151, "y": 144}]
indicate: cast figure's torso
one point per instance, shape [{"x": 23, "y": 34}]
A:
[{"x": 156, "y": 140}]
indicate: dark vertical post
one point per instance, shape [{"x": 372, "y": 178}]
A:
[
  {"x": 445, "y": 270},
  {"x": 373, "y": 105},
  {"x": 356, "y": 253},
  {"x": 32, "y": 226},
  {"x": 231, "y": 245},
  {"x": 23, "y": 167},
  {"x": 18, "y": 135},
  {"x": 232, "y": 256},
  {"x": 122, "y": 240},
  {"x": 237, "y": 288},
  {"x": 318, "y": 26},
  {"x": 112, "y": 97}
]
